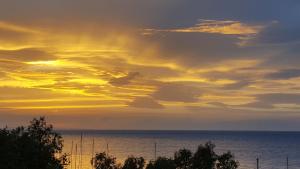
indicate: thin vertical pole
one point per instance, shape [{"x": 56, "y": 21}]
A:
[
  {"x": 81, "y": 151},
  {"x": 72, "y": 155},
  {"x": 287, "y": 162},
  {"x": 257, "y": 163},
  {"x": 107, "y": 150},
  {"x": 76, "y": 156},
  {"x": 93, "y": 147},
  {"x": 155, "y": 146}
]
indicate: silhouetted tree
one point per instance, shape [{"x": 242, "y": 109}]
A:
[
  {"x": 9, "y": 156},
  {"x": 226, "y": 161},
  {"x": 34, "y": 147},
  {"x": 161, "y": 163},
  {"x": 104, "y": 161},
  {"x": 183, "y": 159},
  {"x": 134, "y": 163},
  {"x": 204, "y": 157},
  {"x": 150, "y": 165}
]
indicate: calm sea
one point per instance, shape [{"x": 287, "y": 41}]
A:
[{"x": 272, "y": 148}]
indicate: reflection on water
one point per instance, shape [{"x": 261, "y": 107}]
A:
[{"x": 271, "y": 147}]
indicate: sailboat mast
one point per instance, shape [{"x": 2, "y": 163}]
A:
[
  {"x": 72, "y": 155},
  {"x": 76, "y": 156},
  {"x": 93, "y": 147},
  {"x": 81, "y": 151}
]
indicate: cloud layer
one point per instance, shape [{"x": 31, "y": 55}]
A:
[{"x": 208, "y": 59}]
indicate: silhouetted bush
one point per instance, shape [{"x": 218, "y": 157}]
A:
[
  {"x": 104, "y": 161},
  {"x": 183, "y": 159},
  {"x": 226, "y": 161},
  {"x": 205, "y": 157},
  {"x": 134, "y": 163},
  {"x": 161, "y": 163},
  {"x": 34, "y": 147}
]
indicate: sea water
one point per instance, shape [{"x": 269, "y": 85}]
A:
[{"x": 271, "y": 148}]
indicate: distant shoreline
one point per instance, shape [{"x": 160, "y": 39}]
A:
[{"x": 70, "y": 131}]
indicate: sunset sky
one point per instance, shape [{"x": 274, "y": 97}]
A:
[{"x": 156, "y": 64}]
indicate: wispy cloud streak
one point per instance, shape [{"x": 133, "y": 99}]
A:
[{"x": 225, "y": 27}]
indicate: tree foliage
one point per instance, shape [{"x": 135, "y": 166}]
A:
[
  {"x": 226, "y": 161},
  {"x": 161, "y": 163},
  {"x": 34, "y": 147},
  {"x": 183, "y": 159},
  {"x": 134, "y": 163},
  {"x": 205, "y": 157},
  {"x": 104, "y": 161}
]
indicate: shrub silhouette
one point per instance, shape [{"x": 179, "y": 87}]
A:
[
  {"x": 161, "y": 163},
  {"x": 134, "y": 163},
  {"x": 226, "y": 161},
  {"x": 34, "y": 147},
  {"x": 183, "y": 159},
  {"x": 204, "y": 157},
  {"x": 104, "y": 161}
]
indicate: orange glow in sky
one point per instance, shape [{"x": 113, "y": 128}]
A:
[{"x": 86, "y": 61}]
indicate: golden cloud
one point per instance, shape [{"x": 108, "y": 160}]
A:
[
  {"x": 226, "y": 27},
  {"x": 115, "y": 70}
]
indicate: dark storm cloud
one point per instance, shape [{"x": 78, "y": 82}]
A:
[
  {"x": 194, "y": 49},
  {"x": 284, "y": 74},
  {"x": 190, "y": 49},
  {"x": 279, "y": 98},
  {"x": 285, "y": 57},
  {"x": 280, "y": 34},
  {"x": 156, "y": 12},
  {"x": 135, "y": 12}
]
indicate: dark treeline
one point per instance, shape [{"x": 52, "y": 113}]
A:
[
  {"x": 34, "y": 147},
  {"x": 39, "y": 147},
  {"x": 204, "y": 158}
]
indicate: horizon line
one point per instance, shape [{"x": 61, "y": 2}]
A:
[{"x": 167, "y": 130}]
